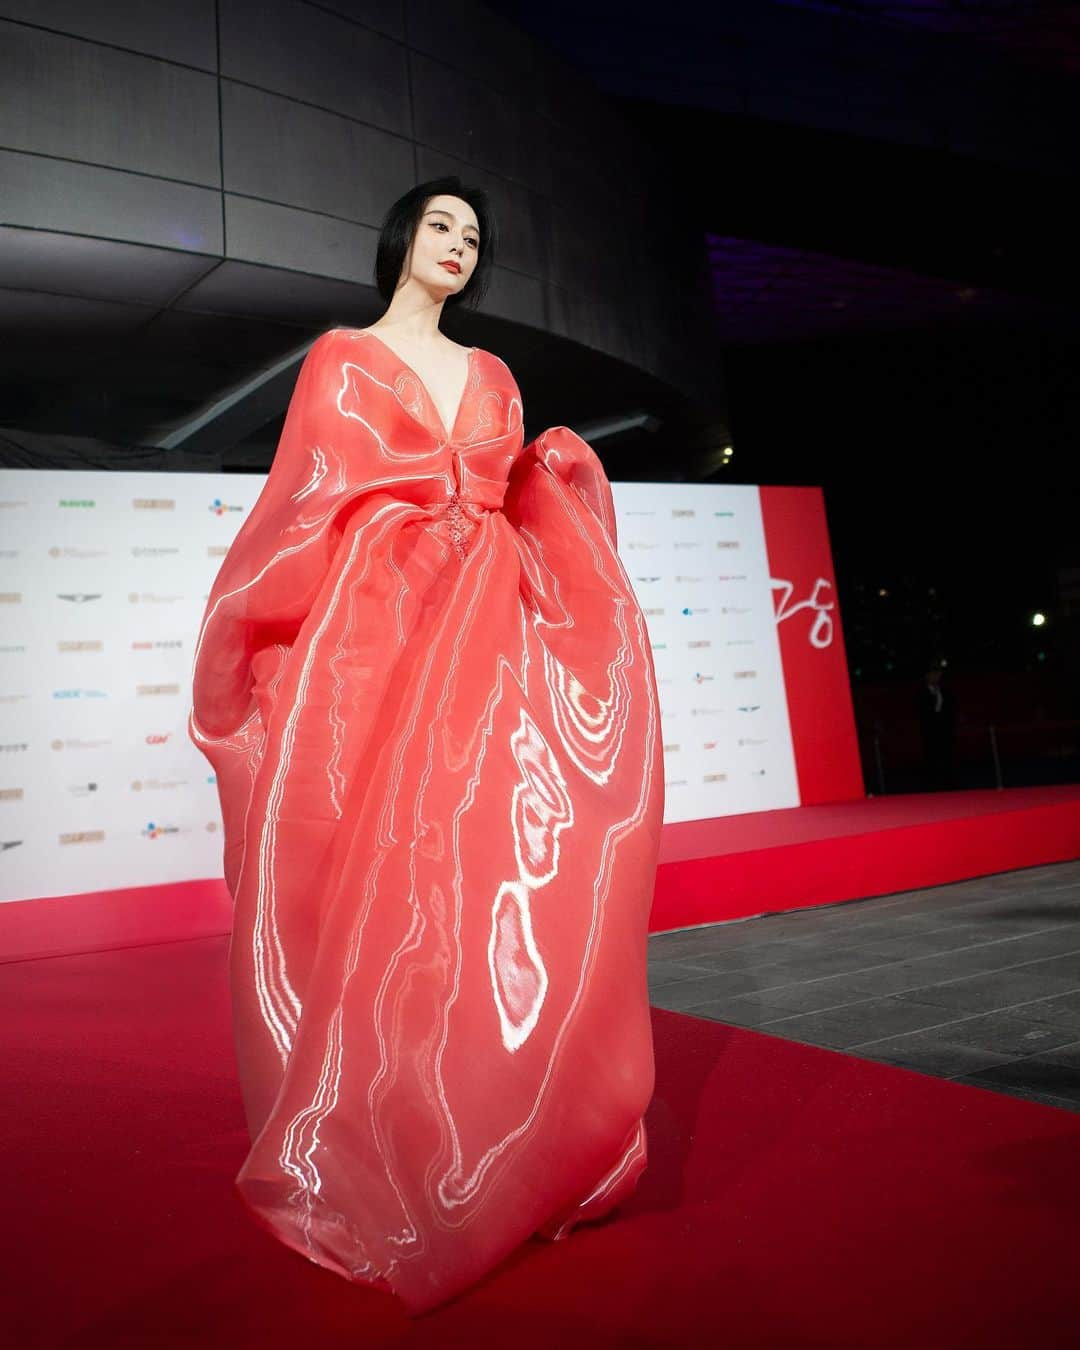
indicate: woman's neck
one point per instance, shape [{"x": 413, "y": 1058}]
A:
[{"x": 413, "y": 319}]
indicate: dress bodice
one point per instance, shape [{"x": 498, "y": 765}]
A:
[
  {"x": 391, "y": 421},
  {"x": 362, "y": 441}
]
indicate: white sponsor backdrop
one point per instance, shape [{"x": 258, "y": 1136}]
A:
[
  {"x": 103, "y": 582},
  {"x": 696, "y": 556}
]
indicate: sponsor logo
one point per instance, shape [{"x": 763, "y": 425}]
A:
[
  {"x": 157, "y": 784},
  {"x": 9, "y": 649},
  {"x": 658, "y": 646},
  {"x": 216, "y": 550},
  {"x": 734, "y": 609},
  {"x": 739, "y": 642},
  {"x": 701, "y": 679},
  {"x": 74, "y": 743},
  {"x": 690, "y": 580},
  {"x": 14, "y": 747},
  {"x": 158, "y": 737},
  {"x": 679, "y": 512},
  {"x": 78, "y": 597},
  {"x": 10, "y": 552},
  {"x": 5, "y": 844},
  {"x": 749, "y": 707},
  {"x": 639, "y": 513},
  {"x": 714, "y": 778},
  {"x": 150, "y": 690},
  {"x": 671, "y": 748},
  {"x": 152, "y": 598},
  {"x": 212, "y": 827},
  {"x": 705, "y": 712},
  {"x": 79, "y": 693},
  {"x": 84, "y": 503},
  {"x": 153, "y": 503},
  {"x": 675, "y": 782},
  {"x": 11, "y": 794},
  {"x": 709, "y": 745},
  {"x": 220, "y": 508},
  {"x": 723, "y": 513},
  {"x": 157, "y": 645},
  {"x": 752, "y": 740},
  {"x": 153, "y": 551},
  {"x": 82, "y": 789},
  {"x": 744, "y": 674},
  {"x": 80, "y": 645},
  {"x": 155, "y": 830},
  {"x": 10, "y": 597},
  {"x": 731, "y": 576},
  {"x": 646, "y": 578},
  {"x": 688, "y": 543},
  {"x": 757, "y": 773},
  {"x": 82, "y": 837},
  {"x": 13, "y": 698},
  {"x": 728, "y": 543},
  {"x": 653, "y": 613},
  {"x": 11, "y": 502},
  {"x": 695, "y": 609},
  {"x": 72, "y": 551},
  {"x": 640, "y": 543},
  {"x": 700, "y": 642}
]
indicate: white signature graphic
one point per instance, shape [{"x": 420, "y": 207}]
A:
[{"x": 821, "y": 630}]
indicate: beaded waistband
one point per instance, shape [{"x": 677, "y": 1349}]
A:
[{"x": 461, "y": 524}]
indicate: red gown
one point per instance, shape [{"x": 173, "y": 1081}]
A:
[{"x": 427, "y": 691}]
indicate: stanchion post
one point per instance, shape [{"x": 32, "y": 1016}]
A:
[
  {"x": 879, "y": 765},
  {"x": 997, "y": 758}
]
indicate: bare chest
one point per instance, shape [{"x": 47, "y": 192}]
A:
[{"x": 444, "y": 375}]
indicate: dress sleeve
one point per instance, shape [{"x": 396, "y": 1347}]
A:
[
  {"x": 272, "y": 572},
  {"x": 576, "y": 463}
]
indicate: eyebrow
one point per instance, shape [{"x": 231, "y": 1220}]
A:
[{"x": 438, "y": 211}]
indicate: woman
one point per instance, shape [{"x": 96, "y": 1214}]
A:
[{"x": 427, "y": 691}]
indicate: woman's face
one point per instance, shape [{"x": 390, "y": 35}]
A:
[{"x": 447, "y": 234}]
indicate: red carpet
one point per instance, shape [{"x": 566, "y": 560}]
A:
[{"x": 796, "y": 1197}]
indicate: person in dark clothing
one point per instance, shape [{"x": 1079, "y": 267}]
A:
[{"x": 936, "y": 707}]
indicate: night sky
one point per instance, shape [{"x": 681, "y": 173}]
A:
[{"x": 895, "y": 317}]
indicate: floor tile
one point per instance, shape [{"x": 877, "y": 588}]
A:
[
  {"x": 867, "y": 1021},
  {"x": 1027, "y": 1094},
  {"x": 933, "y": 1053},
  {"x": 687, "y": 993},
  {"x": 994, "y": 990},
  {"x": 930, "y": 942},
  {"x": 1001, "y": 1033},
  {"x": 1061, "y": 1010},
  {"x": 744, "y": 1010},
  {"x": 1033, "y": 1075},
  {"x": 671, "y": 972}
]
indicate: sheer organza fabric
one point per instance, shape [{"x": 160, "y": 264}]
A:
[{"x": 426, "y": 689}]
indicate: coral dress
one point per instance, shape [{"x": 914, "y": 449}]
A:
[{"x": 427, "y": 691}]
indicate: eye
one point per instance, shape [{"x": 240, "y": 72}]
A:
[{"x": 442, "y": 225}]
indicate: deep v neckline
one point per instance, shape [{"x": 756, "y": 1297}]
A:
[{"x": 448, "y": 434}]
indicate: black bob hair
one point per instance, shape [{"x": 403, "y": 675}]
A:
[{"x": 399, "y": 227}]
